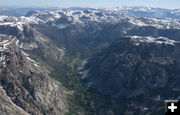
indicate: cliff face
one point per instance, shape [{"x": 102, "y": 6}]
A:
[
  {"x": 135, "y": 65},
  {"x": 26, "y": 88},
  {"x": 7, "y": 106}
]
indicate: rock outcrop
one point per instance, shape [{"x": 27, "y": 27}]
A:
[{"x": 26, "y": 88}]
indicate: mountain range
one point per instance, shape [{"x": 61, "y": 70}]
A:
[{"x": 88, "y": 61}]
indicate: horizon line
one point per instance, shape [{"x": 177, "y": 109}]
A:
[{"x": 100, "y": 7}]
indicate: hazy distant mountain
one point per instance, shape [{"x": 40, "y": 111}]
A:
[
  {"x": 24, "y": 11},
  {"x": 149, "y": 12},
  {"x": 8, "y": 12}
]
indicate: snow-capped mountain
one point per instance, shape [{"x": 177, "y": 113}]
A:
[
  {"x": 92, "y": 24},
  {"x": 149, "y": 12},
  {"x": 120, "y": 43},
  {"x": 63, "y": 18}
]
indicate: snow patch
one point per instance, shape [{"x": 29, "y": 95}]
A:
[
  {"x": 149, "y": 39},
  {"x": 2, "y": 57}
]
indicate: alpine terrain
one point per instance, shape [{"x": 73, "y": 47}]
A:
[{"x": 89, "y": 61}]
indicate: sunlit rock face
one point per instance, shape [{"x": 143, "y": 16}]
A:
[{"x": 25, "y": 87}]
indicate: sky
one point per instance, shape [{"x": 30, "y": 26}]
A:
[{"x": 170, "y": 4}]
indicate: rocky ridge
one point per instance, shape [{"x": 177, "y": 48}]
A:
[
  {"x": 135, "y": 65},
  {"x": 25, "y": 85}
]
